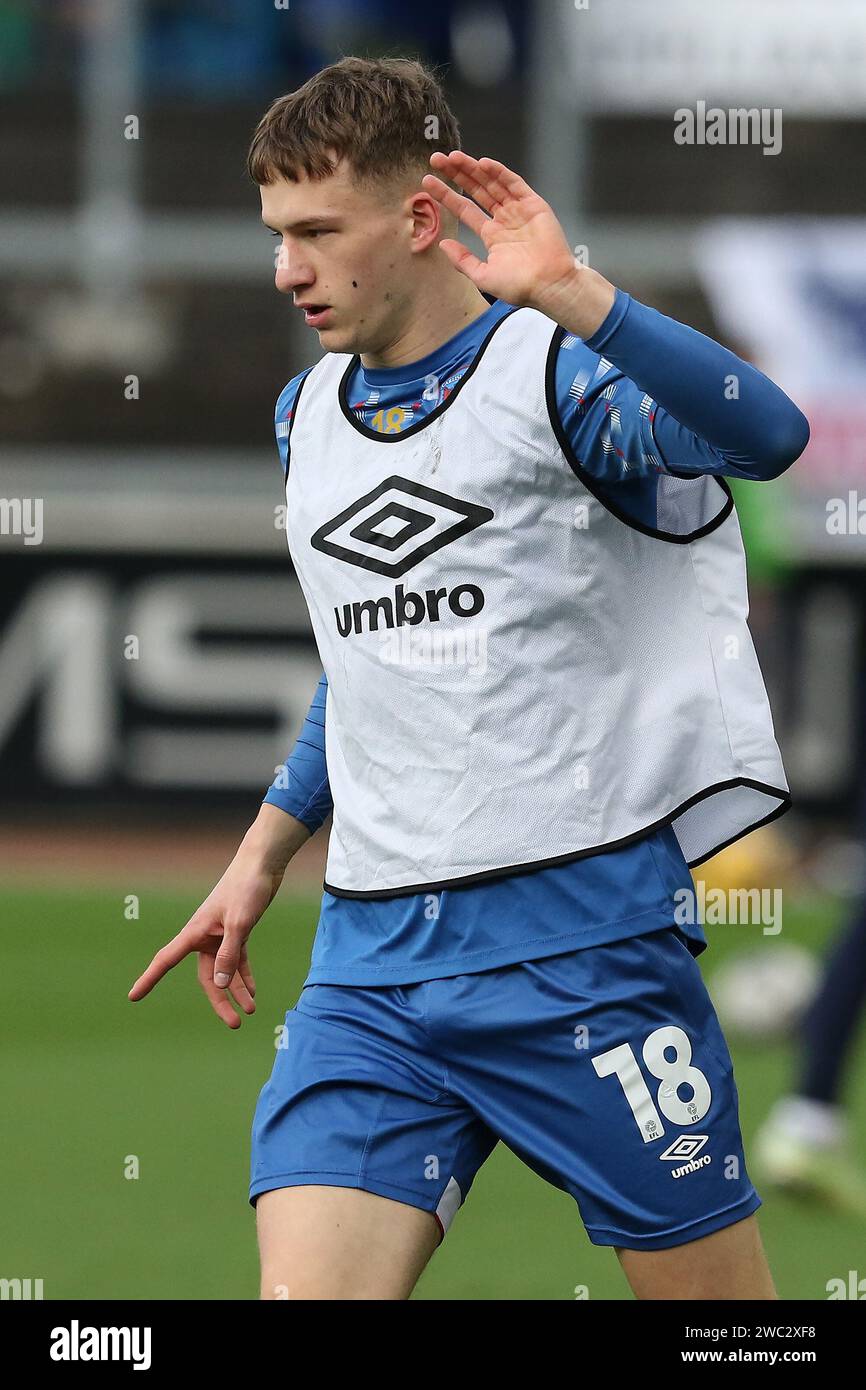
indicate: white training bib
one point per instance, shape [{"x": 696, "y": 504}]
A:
[{"x": 518, "y": 674}]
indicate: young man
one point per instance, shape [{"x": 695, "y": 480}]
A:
[{"x": 542, "y": 704}]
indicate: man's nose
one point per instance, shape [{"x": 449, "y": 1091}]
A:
[{"x": 290, "y": 273}]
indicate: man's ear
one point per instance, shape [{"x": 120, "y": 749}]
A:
[{"x": 420, "y": 203}]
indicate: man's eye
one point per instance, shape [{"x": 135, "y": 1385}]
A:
[{"x": 313, "y": 231}]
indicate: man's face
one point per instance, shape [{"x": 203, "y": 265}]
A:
[{"x": 348, "y": 251}]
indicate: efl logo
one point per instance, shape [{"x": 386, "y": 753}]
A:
[{"x": 397, "y": 524}]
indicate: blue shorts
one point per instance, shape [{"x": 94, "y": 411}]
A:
[{"x": 604, "y": 1069}]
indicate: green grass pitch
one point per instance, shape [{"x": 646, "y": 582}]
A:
[{"x": 89, "y": 1079}]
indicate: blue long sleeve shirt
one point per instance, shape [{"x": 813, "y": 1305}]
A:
[{"x": 681, "y": 404}]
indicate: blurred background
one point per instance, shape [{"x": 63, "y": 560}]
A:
[{"x": 155, "y": 657}]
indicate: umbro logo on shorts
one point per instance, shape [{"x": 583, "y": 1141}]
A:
[
  {"x": 400, "y": 522},
  {"x": 685, "y": 1147}
]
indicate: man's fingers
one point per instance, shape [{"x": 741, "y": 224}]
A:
[
  {"x": 226, "y": 976},
  {"x": 245, "y": 971},
  {"x": 501, "y": 181},
  {"x": 466, "y": 171},
  {"x": 226, "y": 959},
  {"x": 462, "y": 259},
  {"x": 463, "y": 208},
  {"x": 489, "y": 182},
  {"x": 222, "y": 974},
  {"x": 217, "y": 997},
  {"x": 241, "y": 995},
  {"x": 165, "y": 959}
]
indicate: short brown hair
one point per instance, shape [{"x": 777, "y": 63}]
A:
[{"x": 385, "y": 116}]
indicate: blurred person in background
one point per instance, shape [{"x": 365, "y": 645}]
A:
[{"x": 804, "y": 1145}]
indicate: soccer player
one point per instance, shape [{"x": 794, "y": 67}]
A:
[{"x": 541, "y": 705}]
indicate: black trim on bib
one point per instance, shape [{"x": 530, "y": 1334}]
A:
[
  {"x": 427, "y": 419},
  {"x": 591, "y": 483},
  {"x": 301, "y": 386},
  {"x": 507, "y": 870},
  {"x": 780, "y": 810}
]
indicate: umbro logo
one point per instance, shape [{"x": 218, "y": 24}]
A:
[
  {"x": 400, "y": 522},
  {"x": 685, "y": 1147}
]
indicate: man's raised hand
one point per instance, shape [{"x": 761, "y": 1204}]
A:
[
  {"x": 529, "y": 261},
  {"x": 527, "y": 250}
]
